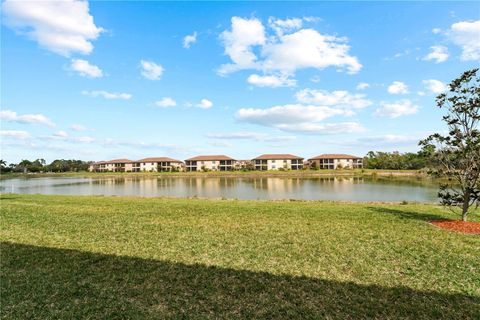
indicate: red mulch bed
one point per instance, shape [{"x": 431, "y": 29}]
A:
[{"x": 459, "y": 226}]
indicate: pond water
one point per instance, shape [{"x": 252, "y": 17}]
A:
[{"x": 315, "y": 188}]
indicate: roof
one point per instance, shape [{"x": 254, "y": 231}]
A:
[
  {"x": 114, "y": 161},
  {"x": 334, "y": 156},
  {"x": 158, "y": 159},
  {"x": 211, "y": 157},
  {"x": 279, "y": 156}
]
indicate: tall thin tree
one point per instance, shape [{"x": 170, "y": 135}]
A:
[{"x": 456, "y": 154}]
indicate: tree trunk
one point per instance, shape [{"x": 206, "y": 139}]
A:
[{"x": 466, "y": 201}]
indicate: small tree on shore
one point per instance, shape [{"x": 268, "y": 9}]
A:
[{"x": 456, "y": 155}]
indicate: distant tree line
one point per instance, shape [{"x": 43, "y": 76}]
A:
[
  {"x": 40, "y": 165},
  {"x": 397, "y": 160},
  {"x": 373, "y": 160}
]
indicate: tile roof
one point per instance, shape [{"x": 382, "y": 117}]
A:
[
  {"x": 210, "y": 158},
  {"x": 114, "y": 161},
  {"x": 334, "y": 156},
  {"x": 158, "y": 159},
  {"x": 278, "y": 157}
]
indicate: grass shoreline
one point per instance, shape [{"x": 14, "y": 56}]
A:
[{"x": 128, "y": 257}]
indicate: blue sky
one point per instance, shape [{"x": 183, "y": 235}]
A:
[{"x": 105, "y": 80}]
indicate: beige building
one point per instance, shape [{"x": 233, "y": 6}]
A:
[
  {"x": 211, "y": 162},
  {"x": 157, "y": 164},
  {"x": 336, "y": 161},
  {"x": 117, "y": 165},
  {"x": 278, "y": 162}
]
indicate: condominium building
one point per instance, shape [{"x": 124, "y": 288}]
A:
[
  {"x": 278, "y": 162},
  {"x": 336, "y": 161},
  {"x": 210, "y": 162},
  {"x": 226, "y": 163},
  {"x": 117, "y": 165},
  {"x": 157, "y": 164}
]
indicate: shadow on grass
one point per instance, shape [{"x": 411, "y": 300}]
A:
[
  {"x": 6, "y": 196},
  {"x": 39, "y": 282},
  {"x": 405, "y": 214}
]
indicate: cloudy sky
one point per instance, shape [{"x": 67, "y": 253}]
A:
[{"x": 101, "y": 80}]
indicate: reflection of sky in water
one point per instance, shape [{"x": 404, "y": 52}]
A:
[{"x": 318, "y": 188}]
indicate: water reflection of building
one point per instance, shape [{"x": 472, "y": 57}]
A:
[
  {"x": 137, "y": 185},
  {"x": 273, "y": 184},
  {"x": 210, "y": 184}
]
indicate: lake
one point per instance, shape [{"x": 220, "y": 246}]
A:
[{"x": 269, "y": 188}]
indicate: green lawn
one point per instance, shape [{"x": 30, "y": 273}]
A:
[{"x": 119, "y": 257}]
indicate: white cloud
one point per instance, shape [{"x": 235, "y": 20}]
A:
[
  {"x": 436, "y": 30},
  {"x": 84, "y": 139},
  {"x": 78, "y": 127},
  {"x": 466, "y": 35},
  {"x": 107, "y": 95},
  {"x": 435, "y": 86},
  {"x": 11, "y": 116},
  {"x": 85, "y": 69},
  {"x": 288, "y": 25},
  {"x": 438, "y": 54},
  {"x": 272, "y": 81},
  {"x": 222, "y": 144},
  {"x": 15, "y": 134},
  {"x": 204, "y": 104},
  {"x": 285, "y": 53},
  {"x": 166, "y": 102},
  {"x": 64, "y": 27},
  {"x": 398, "y": 87},
  {"x": 339, "y": 98},
  {"x": 323, "y": 129},
  {"x": 307, "y": 116},
  {"x": 307, "y": 48},
  {"x": 151, "y": 70},
  {"x": 396, "y": 109},
  {"x": 249, "y": 136},
  {"x": 312, "y": 19},
  {"x": 287, "y": 114},
  {"x": 362, "y": 86},
  {"x": 61, "y": 134},
  {"x": 190, "y": 39},
  {"x": 298, "y": 118},
  {"x": 238, "y": 43},
  {"x": 421, "y": 93}
]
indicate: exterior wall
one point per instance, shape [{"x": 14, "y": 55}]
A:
[
  {"x": 277, "y": 164},
  {"x": 336, "y": 163},
  {"x": 111, "y": 167},
  {"x": 213, "y": 165},
  {"x": 154, "y": 166},
  {"x": 148, "y": 166}
]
